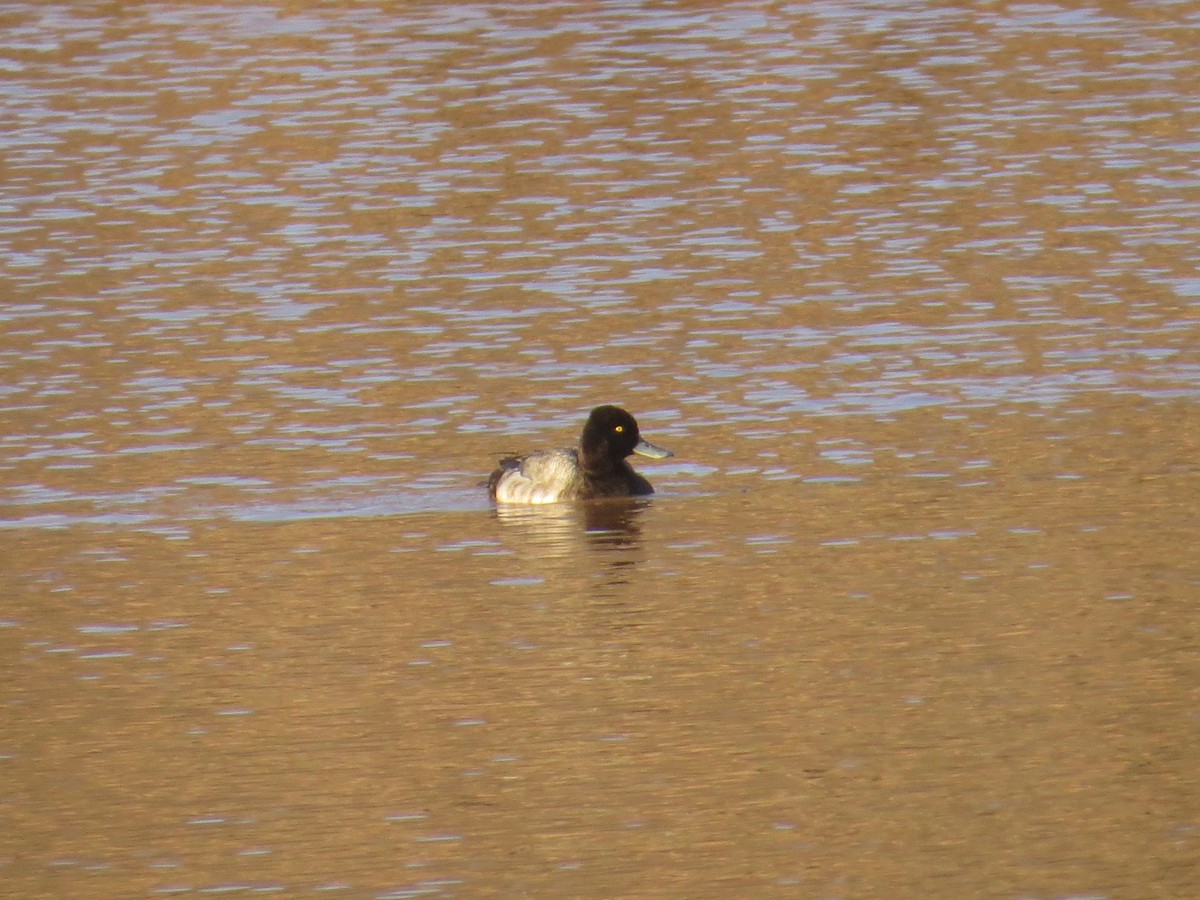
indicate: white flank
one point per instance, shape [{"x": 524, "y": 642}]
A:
[{"x": 541, "y": 478}]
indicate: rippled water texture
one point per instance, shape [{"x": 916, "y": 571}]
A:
[{"x": 910, "y": 289}]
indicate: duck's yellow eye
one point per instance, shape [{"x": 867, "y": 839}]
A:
[{"x": 619, "y": 429}]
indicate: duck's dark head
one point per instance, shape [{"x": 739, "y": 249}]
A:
[{"x": 610, "y": 435}]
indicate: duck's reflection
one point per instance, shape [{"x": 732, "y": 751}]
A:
[
  {"x": 603, "y": 524},
  {"x": 561, "y": 530}
]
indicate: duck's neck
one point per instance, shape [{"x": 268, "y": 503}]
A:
[{"x": 599, "y": 462}]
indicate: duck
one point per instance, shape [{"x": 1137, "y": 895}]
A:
[{"x": 598, "y": 468}]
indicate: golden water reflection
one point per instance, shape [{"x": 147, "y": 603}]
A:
[
  {"x": 841, "y": 687},
  {"x": 909, "y": 290}
]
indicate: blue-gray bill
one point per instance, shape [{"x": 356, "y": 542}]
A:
[{"x": 645, "y": 448}]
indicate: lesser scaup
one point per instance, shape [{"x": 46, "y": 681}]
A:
[{"x": 597, "y": 469}]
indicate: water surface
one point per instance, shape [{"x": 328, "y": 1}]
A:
[{"x": 910, "y": 291}]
